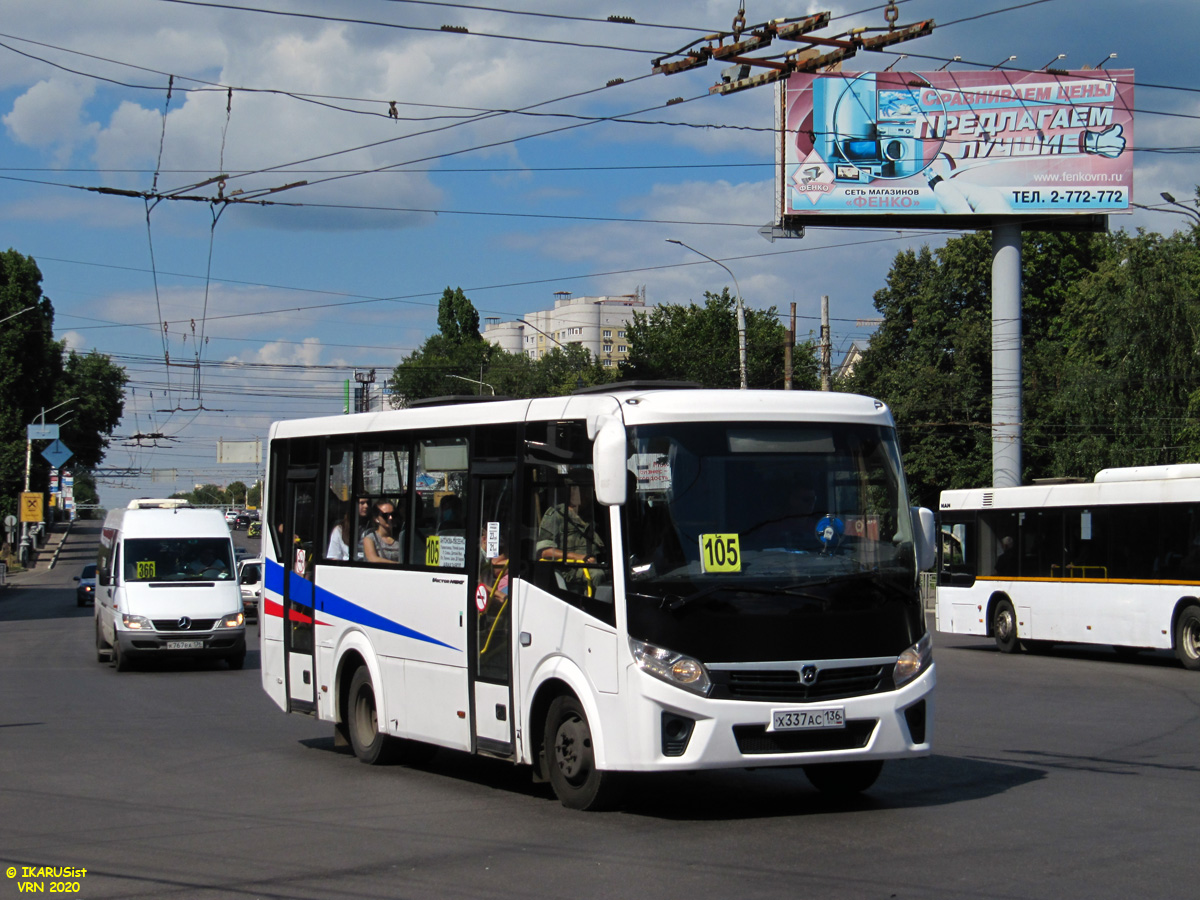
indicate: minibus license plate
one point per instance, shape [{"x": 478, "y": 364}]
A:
[
  {"x": 806, "y": 719},
  {"x": 185, "y": 645}
]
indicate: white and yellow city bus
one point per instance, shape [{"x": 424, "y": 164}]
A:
[
  {"x": 617, "y": 581},
  {"x": 1115, "y": 561}
]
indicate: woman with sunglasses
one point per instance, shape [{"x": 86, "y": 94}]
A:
[{"x": 381, "y": 545}]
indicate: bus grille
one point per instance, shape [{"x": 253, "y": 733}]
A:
[
  {"x": 785, "y": 685},
  {"x": 755, "y": 739},
  {"x": 173, "y": 625}
]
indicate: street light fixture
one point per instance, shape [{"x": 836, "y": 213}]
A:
[
  {"x": 1186, "y": 209},
  {"x": 741, "y": 310},
  {"x": 473, "y": 381}
]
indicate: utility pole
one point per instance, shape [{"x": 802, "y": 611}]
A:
[
  {"x": 787, "y": 351},
  {"x": 825, "y": 348}
]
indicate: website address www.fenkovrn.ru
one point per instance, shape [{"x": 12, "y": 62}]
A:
[{"x": 1079, "y": 176}]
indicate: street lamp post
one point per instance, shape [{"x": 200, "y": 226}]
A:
[{"x": 741, "y": 310}]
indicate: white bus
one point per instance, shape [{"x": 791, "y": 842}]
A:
[
  {"x": 630, "y": 579},
  {"x": 1115, "y": 561}
]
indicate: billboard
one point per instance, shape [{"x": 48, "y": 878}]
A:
[{"x": 956, "y": 149}]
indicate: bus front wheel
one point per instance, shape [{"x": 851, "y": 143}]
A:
[
  {"x": 371, "y": 746},
  {"x": 1187, "y": 638},
  {"x": 1004, "y": 627},
  {"x": 571, "y": 758}
]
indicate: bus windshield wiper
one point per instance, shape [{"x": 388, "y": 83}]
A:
[{"x": 672, "y": 601}]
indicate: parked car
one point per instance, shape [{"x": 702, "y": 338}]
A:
[
  {"x": 250, "y": 579},
  {"x": 85, "y": 593}
]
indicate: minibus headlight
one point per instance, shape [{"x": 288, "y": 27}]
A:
[
  {"x": 913, "y": 661},
  {"x": 671, "y": 667},
  {"x": 136, "y": 623},
  {"x": 232, "y": 621}
]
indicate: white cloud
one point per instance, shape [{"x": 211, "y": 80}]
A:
[{"x": 49, "y": 116}]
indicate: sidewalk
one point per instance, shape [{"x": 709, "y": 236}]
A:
[{"x": 47, "y": 556}]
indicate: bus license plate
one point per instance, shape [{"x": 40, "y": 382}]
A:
[
  {"x": 185, "y": 645},
  {"x": 806, "y": 719}
]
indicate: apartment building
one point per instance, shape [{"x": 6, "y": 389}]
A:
[{"x": 598, "y": 323}]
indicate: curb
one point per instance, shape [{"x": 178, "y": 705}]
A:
[{"x": 58, "y": 549}]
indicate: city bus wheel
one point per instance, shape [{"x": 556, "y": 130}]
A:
[
  {"x": 1187, "y": 638},
  {"x": 1004, "y": 627},
  {"x": 845, "y": 778},
  {"x": 371, "y": 746},
  {"x": 103, "y": 651},
  {"x": 571, "y": 759}
]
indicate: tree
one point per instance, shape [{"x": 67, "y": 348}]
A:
[
  {"x": 1124, "y": 391},
  {"x": 457, "y": 351},
  {"x": 34, "y": 377},
  {"x": 1110, "y": 336},
  {"x": 699, "y": 343}
]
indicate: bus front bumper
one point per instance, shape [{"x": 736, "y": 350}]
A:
[{"x": 694, "y": 732}]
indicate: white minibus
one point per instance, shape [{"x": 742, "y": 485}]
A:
[{"x": 167, "y": 586}]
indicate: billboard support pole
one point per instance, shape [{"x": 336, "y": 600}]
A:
[{"x": 1006, "y": 355}]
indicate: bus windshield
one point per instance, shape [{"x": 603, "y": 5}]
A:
[
  {"x": 177, "y": 559},
  {"x": 731, "y": 522}
]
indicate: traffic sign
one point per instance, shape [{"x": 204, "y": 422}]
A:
[
  {"x": 41, "y": 432},
  {"x": 57, "y": 454},
  {"x": 31, "y": 507}
]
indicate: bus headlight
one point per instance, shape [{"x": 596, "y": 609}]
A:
[
  {"x": 232, "y": 621},
  {"x": 913, "y": 661},
  {"x": 671, "y": 667},
  {"x": 136, "y": 623}
]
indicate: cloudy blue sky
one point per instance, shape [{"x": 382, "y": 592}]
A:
[{"x": 509, "y": 169}]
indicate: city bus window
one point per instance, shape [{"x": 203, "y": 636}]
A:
[
  {"x": 385, "y": 484},
  {"x": 441, "y": 489},
  {"x": 341, "y": 513}
]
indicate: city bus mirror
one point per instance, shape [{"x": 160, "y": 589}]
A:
[
  {"x": 608, "y": 462},
  {"x": 924, "y": 537}
]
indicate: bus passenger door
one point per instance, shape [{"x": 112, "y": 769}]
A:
[
  {"x": 491, "y": 615},
  {"x": 300, "y": 525}
]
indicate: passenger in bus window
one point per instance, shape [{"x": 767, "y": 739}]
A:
[
  {"x": 339, "y": 548},
  {"x": 1006, "y": 562},
  {"x": 449, "y": 516},
  {"x": 380, "y": 544}
]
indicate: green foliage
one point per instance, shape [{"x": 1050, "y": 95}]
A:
[
  {"x": 700, "y": 344},
  {"x": 34, "y": 377},
  {"x": 1110, "y": 336}
]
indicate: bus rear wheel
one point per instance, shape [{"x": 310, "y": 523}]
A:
[
  {"x": 1187, "y": 638},
  {"x": 571, "y": 758},
  {"x": 371, "y": 746},
  {"x": 844, "y": 779},
  {"x": 1004, "y": 627}
]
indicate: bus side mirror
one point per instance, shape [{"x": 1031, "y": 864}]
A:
[
  {"x": 924, "y": 537},
  {"x": 608, "y": 462}
]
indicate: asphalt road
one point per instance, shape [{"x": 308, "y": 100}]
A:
[{"x": 1066, "y": 775}]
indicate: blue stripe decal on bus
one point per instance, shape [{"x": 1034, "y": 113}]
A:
[{"x": 302, "y": 592}]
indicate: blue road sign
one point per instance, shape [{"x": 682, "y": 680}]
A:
[{"x": 57, "y": 454}]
